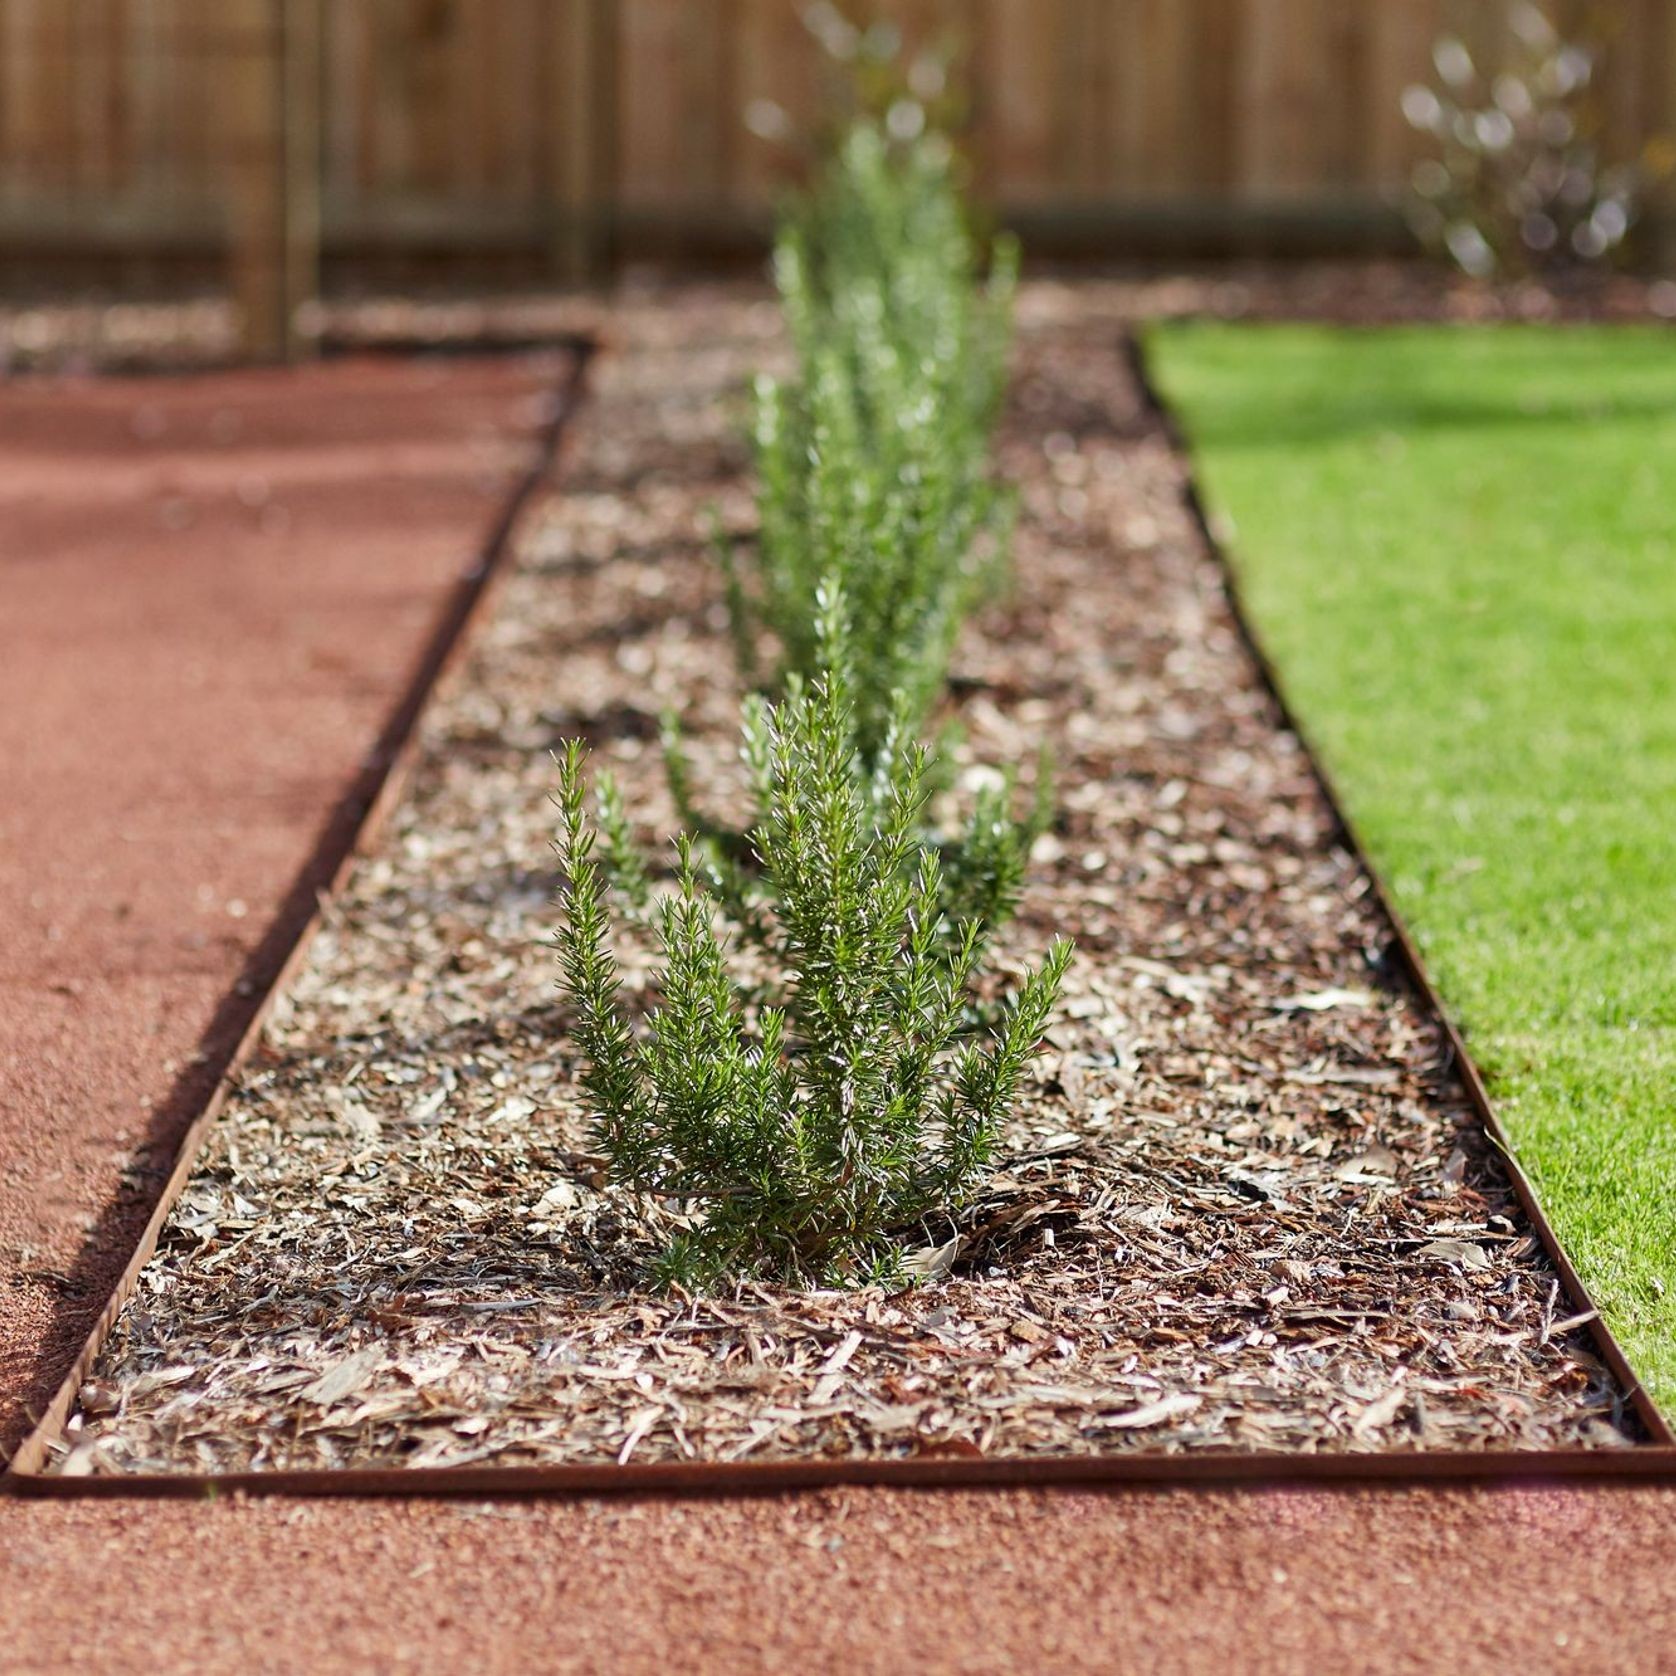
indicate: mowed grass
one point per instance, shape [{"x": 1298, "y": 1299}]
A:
[{"x": 1459, "y": 548}]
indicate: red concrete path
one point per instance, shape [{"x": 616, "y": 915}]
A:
[
  {"x": 188, "y": 680},
  {"x": 859, "y": 1581}
]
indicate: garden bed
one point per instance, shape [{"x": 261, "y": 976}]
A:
[{"x": 1245, "y": 1205}]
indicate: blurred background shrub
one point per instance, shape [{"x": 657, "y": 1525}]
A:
[{"x": 1524, "y": 177}]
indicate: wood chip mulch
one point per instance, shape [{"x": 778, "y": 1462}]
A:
[{"x": 1245, "y": 1204}]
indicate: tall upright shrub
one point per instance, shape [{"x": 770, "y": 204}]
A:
[
  {"x": 1524, "y": 177},
  {"x": 873, "y": 459},
  {"x": 982, "y": 857},
  {"x": 805, "y": 1125}
]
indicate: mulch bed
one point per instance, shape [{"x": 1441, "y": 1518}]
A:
[{"x": 1245, "y": 1204}]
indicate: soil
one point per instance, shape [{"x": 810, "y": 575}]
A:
[
  {"x": 1378, "y": 1581},
  {"x": 1244, "y": 1203},
  {"x": 216, "y": 589}
]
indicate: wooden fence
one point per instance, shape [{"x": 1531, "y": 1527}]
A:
[{"x": 551, "y": 136}]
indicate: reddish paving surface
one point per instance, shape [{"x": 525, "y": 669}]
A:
[
  {"x": 1229, "y": 1585},
  {"x": 206, "y": 620}
]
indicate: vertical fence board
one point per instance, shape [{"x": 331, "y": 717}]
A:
[
  {"x": 1170, "y": 100},
  {"x": 1076, "y": 95},
  {"x": 343, "y": 112},
  {"x": 251, "y": 88},
  {"x": 302, "y": 37},
  {"x": 776, "y": 65},
  {"x": 577, "y": 99},
  {"x": 649, "y": 33},
  {"x": 269, "y": 128},
  {"x": 18, "y": 174},
  {"x": 1401, "y": 34},
  {"x": 1124, "y": 126},
  {"x": 709, "y": 101},
  {"x": 46, "y": 95},
  {"x": 1215, "y": 55},
  {"x": 1020, "y": 103}
]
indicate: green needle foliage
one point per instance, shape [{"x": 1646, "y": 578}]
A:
[
  {"x": 880, "y": 259},
  {"x": 804, "y": 1138},
  {"x": 981, "y": 863},
  {"x": 873, "y": 463},
  {"x": 803, "y": 1125}
]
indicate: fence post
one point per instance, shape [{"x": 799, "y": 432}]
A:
[
  {"x": 303, "y": 23},
  {"x": 271, "y": 116},
  {"x": 581, "y": 83}
]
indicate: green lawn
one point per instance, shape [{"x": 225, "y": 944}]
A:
[{"x": 1459, "y": 547}]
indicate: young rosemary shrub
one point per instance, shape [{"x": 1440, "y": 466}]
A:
[
  {"x": 808, "y": 1134},
  {"x": 882, "y": 253},
  {"x": 981, "y": 862},
  {"x": 873, "y": 463},
  {"x": 1525, "y": 178}
]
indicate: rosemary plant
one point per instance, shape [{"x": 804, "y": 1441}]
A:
[
  {"x": 803, "y": 1134},
  {"x": 873, "y": 462},
  {"x": 981, "y": 861}
]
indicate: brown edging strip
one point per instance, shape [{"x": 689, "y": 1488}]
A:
[
  {"x": 1577, "y": 1294},
  {"x": 1225, "y": 1470},
  {"x": 1653, "y": 1462},
  {"x": 351, "y": 830}
]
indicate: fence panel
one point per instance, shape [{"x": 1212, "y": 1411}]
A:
[{"x": 547, "y": 131}]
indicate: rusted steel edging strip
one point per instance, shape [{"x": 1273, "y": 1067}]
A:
[
  {"x": 1138, "y": 1470},
  {"x": 1611, "y": 1352},
  {"x": 1653, "y": 1463},
  {"x": 352, "y": 829}
]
